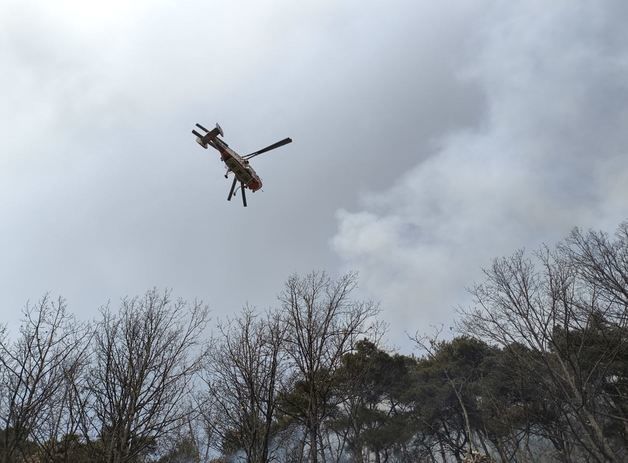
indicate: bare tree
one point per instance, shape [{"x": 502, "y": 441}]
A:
[
  {"x": 144, "y": 362},
  {"x": 244, "y": 367},
  {"x": 323, "y": 324},
  {"x": 563, "y": 320},
  {"x": 37, "y": 374}
]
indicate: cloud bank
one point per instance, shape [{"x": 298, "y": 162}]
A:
[{"x": 550, "y": 153}]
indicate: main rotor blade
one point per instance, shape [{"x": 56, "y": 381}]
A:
[{"x": 285, "y": 141}]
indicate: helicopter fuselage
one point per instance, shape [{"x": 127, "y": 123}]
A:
[{"x": 240, "y": 167}]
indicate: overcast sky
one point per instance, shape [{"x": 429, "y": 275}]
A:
[{"x": 429, "y": 138}]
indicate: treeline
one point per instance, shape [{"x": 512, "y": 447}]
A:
[{"x": 538, "y": 372}]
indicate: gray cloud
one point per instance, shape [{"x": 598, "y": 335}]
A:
[
  {"x": 550, "y": 154},
  {"x": 452, "y": 133},
  {"x": 104, "y": 193}
]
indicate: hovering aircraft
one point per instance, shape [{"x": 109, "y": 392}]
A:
[{"x": 239, "y": 165}]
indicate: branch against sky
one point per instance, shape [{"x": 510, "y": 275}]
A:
[
  {"x": 38, "y": 373},
  {"x": 145, "y": 358},
  {"x": 324, "y": 322},
  {"x": 562, "y": 317}
]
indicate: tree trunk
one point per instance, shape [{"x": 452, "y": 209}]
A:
[{"x": 313, "y": 444}]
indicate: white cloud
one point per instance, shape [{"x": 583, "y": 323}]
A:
[
  {"x": 551, "y": 153},
  {"x": 104, "y": 193}
]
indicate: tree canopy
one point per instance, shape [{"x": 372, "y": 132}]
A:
[{"x": 537, "y": 371}]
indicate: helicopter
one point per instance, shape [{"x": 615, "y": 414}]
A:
[{"x": 239, "y": 165}]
